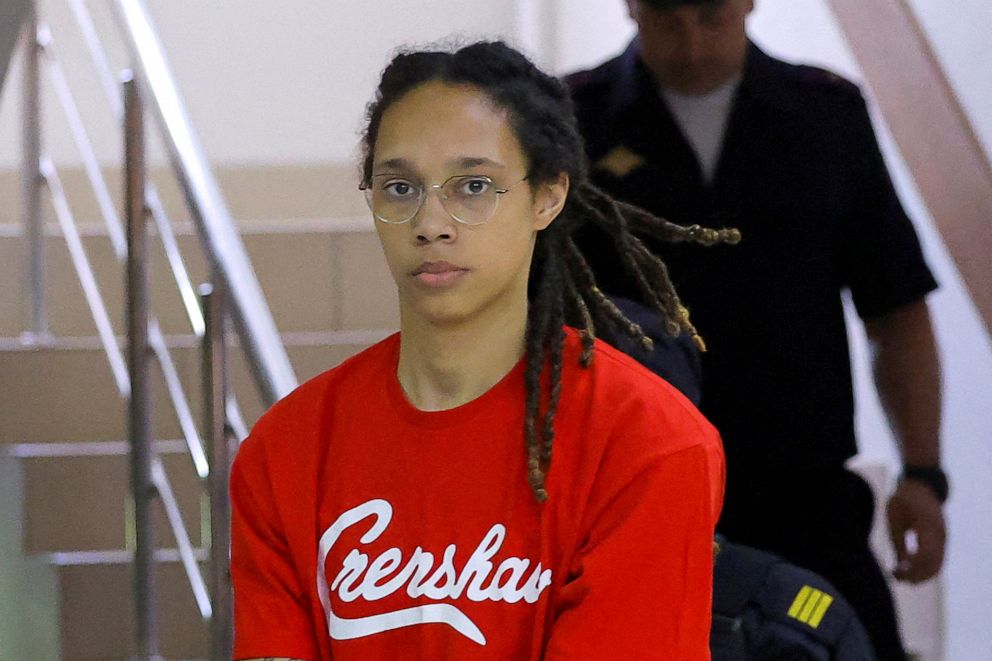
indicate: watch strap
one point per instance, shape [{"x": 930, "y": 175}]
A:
[{"x": 932, "y": 476}]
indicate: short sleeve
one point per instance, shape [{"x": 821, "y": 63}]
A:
[
  {"x": 880, "y": 254},
  {"x": 642, "y": 584},
  {"x": 271, "y": 612}
]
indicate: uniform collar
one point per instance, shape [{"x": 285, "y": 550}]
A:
[
  {"x": 633, "y": 80},
  {"x": 759, "y": 80}
]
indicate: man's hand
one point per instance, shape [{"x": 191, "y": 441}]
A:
[{"x": 914, "y": 508}]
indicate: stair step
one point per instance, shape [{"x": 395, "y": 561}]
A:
[
  {"x": 66, "y": 393},
  {"x": 75, "y": 489},
  {"x": 80, "y": 502},
  {"x": 97, "y": 611},
  {"x": 316, "y": 276}
]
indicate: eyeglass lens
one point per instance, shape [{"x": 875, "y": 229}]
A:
[{"x": 469, "y": 199}]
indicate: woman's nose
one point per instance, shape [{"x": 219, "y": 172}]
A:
[{"x": 432, "y": 222}]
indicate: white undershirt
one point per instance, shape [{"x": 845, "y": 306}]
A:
[{"x": 703, "y": 120}]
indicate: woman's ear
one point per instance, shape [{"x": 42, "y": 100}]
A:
[{"x": 549, "y": 200}]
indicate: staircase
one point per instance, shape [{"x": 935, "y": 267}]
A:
[
  {"x": 63, "y": 425},
  {"x": 70, "y": 532}
]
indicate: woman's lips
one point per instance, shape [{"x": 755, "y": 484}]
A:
[{"x": 438, "y": 274}]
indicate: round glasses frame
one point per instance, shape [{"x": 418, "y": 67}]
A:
[{"x": 439, "y": 189}]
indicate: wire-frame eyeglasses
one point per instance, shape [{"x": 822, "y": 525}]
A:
[{"x": 470, "y": 199}]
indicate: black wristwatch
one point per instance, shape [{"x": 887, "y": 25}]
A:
[{"x": 932, "y": 476}]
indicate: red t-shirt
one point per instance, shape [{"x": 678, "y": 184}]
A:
[{"x": 364, "y": 528}]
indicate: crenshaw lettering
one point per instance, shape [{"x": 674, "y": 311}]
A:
[{"x": 420, "y": 575}]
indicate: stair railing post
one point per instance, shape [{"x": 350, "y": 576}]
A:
[
  {"x": 215, "y": 386},
  {"x": 139, "y": 359},
  {"x": 31, "y": 183}
]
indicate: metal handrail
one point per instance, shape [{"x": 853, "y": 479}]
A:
[
  {"x": 232, "y": 274},
  {"x": 149, "y": 479},
  {"x": 84, "y": 145},
  {"x": 110, "y": 86},
  {"x": 87, "y": 279},
  {"x": 31, "y": 180},
  {"x": 187, "y": 553},
  {"x": 115, "y": 230},
  {"x": 167, "y": 235},
  {"x": 218, "y": 433},
  {"x": 267, "y": 358},
  {"x": 177, "y": 395},
  {"x": 144, "y": 489}
]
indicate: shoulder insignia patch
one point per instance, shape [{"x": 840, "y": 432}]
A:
[
  {"x": 826, "y": 78},
  {"x": 810, "y": 605},
  {"x": 620, "y": 161}
]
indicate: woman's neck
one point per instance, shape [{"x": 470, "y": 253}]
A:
[{"x": 442, "y": 366}]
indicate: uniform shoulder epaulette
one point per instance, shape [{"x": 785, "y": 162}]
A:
[
  {"x": 579, "y": 79},
  {"x": 589, "y": 79},
  {"x": 813, "y": 76}
]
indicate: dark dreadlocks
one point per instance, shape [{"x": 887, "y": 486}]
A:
[{"x": 562, "y": 287}]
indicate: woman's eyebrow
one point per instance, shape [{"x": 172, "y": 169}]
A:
[
  {"x": 462, "y": 163},
  {"x": 394, "y": 164},
  {"x": 476, "y": 161}
]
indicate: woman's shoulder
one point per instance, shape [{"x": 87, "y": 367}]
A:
[
  {"x": 629, "y": 396},
  {"x": 625, "y": 422},
  {"x": 302, "y": 410}
]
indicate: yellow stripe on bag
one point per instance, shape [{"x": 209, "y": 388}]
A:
[
  {"x": 810, "y": 605},
  {"x": 821, "y": 610},
  {"x": 801, "y": 598}
]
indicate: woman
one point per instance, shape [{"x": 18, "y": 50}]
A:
[{"x": 406, "y": 504}]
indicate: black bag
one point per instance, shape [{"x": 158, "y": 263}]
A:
[
  {"x": 675, "y": 359},
  {"x": 765, "y": 609}
]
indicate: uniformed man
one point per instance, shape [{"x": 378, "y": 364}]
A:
[{"x": 695, "y": 123}]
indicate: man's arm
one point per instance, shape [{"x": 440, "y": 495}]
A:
[{"x": 907, "y": 374}]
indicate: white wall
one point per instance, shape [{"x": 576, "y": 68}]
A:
[
  {"x": 264, "y": 82},
  {"x": 961, "y": 32},
  {"x": 585, "y": 35}
]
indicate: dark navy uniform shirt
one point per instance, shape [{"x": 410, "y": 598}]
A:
[{"x": 802, "y": 177}]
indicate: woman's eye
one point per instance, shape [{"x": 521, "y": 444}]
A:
[
  {"x": 399, "y": 188},
  {"x": 473, "y": 187}
]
